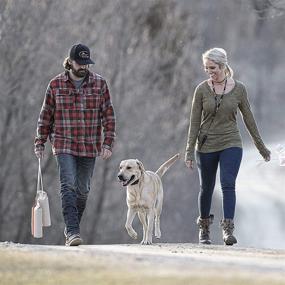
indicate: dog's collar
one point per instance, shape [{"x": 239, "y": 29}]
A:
[{"x": 136, "y": 182}]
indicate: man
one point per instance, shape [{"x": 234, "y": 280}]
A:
[{"x": 76, "y": 109}]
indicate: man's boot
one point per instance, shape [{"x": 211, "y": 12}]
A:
[
  {"x": 228, "y": 228},
  {"x": 204, "y": 229}
]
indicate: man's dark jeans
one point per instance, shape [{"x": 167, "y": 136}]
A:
[
  {"x": 229, "y": 161},
  {"x": 75, "y": 175}
]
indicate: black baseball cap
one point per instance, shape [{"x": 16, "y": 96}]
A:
[{"x": 81, "y": 54}]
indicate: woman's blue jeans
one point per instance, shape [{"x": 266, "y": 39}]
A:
[
  {"x": 75, "y": 174},
  {"x": 229, "y": 161}
]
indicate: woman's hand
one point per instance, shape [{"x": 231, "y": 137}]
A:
[
  {"x": 190, "y": 164},
  {"x": 266, "y": 155}
]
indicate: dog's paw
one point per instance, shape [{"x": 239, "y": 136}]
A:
[
  {"x": 131, "y": 232},
  {"x": 133, "y": 235},
  {"x": 146, "y": 242},
  {"x": 157, "y": 234}
]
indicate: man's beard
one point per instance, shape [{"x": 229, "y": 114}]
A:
[{"x": 80, "y": 73}]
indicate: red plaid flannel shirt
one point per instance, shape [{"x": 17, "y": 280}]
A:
[{"x": 73, "y": 119}]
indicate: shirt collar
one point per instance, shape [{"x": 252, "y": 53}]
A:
[{"x": 87, "y": 79}]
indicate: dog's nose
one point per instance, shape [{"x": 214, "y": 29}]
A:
[{"x": 120, "y": 176}]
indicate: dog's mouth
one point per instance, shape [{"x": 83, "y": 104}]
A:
[{"x": 126, "y": 182}]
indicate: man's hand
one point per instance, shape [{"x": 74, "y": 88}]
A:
[
  {"x": 105, "y": 154},
  {"x": 39, "y": 153}
]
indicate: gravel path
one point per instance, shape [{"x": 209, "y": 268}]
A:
[{"x": 180, "y": 259}]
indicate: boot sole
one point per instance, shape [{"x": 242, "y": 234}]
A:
[
  {"x": 205, "y": 242},
  {"x": 74, "y": 242},
  {"x": 230, "y": 242}
]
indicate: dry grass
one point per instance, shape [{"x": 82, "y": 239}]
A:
[{"x": 74, "y": 268}]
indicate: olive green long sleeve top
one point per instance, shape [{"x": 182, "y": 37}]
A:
[{"x": 223, "y": 132}]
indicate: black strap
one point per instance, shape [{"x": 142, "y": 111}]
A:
[{"x": 218, "y": 104}]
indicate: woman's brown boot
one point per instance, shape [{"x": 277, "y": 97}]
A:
[
  {"x": 204, "y": 229},
  {"x": 228, "y": 229}
]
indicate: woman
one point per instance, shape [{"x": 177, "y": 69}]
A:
[{"x": 214, "y": 131}]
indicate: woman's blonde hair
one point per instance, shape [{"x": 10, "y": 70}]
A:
[{"x": 219, "y": 56}]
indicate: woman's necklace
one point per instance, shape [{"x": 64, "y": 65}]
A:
[
  {"x": 204, "y": 138},
  {"x": 219, "y": 82},
  {"x": 218, "y": 102}
]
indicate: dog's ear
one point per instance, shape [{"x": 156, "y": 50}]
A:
[{"x": 141, "y": 167}]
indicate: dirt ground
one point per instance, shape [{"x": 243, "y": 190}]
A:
[{"x": 136, "y": 264}]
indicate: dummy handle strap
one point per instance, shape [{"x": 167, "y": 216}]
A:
[{"x": 40, "y": 187}]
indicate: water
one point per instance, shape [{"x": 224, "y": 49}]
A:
[
  {"x": 260, "y": 213},
  {"x": 280, "y": 150}
]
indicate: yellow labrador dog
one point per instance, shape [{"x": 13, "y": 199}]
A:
[{"x": 144, "y": 196}]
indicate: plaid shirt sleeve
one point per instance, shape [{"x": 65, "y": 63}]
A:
[
  {"x": 108, "y": 119},
  {"x": 45, "y": 120}
]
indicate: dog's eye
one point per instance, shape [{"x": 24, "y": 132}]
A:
[{"x": 129, "y": 167}]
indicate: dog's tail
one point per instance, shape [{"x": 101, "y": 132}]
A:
[{"x": 164, "y": 167}]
